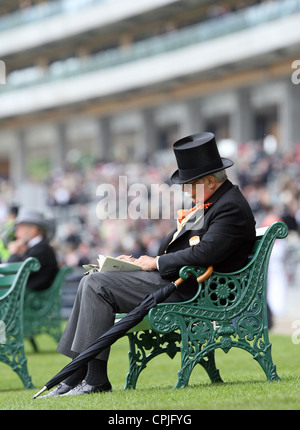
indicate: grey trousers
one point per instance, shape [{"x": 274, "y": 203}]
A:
[{"x": 99, "y": 297}]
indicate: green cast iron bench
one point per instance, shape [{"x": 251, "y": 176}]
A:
[
  {"x": 13, "y": 280},
  {"x": 42, "y": 309},
  {"x": 229, "y": 310}
]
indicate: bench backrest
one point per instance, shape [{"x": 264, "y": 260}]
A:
[
  {"x": 226, "y": 296},
  {"x": 42, "y": 309},
  {"x": 234, "y": 291},
  {"x": 15, "y": 275},
  {"x": 265, "y": 239}
]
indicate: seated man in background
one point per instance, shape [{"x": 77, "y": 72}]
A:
[{"x": 31, "y": 241}]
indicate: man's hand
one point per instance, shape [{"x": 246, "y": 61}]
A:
[
  {"x": 146, "y": 263},
  {"x": 17, "y": 247},
  {"x": 127, "y": 258}
]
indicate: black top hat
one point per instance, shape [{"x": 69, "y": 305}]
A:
[{"x": 197, "y": 155}]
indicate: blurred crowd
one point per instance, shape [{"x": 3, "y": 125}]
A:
[
  {"x": 270, "y": 181},
  {"x": 83, "y": 235}
]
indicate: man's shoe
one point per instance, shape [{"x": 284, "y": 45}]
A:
[
  {"x": 84, "y": 388},
  {"x": 58, "y": 391}
]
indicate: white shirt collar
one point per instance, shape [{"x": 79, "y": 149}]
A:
[{"x": 34, "y": 241}]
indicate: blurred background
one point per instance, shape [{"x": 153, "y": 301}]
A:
[{"x": 96, "y": 89}]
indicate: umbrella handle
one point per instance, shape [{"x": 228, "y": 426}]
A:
[{"x": 200, "y": 279}]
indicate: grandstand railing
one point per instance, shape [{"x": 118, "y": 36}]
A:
[
  {"x": 44, "y": 11},
  {"x": 211, "y": 29}
]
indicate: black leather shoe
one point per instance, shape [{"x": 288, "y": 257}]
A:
[
  {"x": 84, "y": 388},
  {"x": 58, "y": 391}
]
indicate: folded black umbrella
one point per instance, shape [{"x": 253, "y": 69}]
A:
[{"x": 118, "y": 330}]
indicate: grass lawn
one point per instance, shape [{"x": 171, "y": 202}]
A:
[{"x": 245, "y": 386}]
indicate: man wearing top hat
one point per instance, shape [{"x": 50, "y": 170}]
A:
[
  {"x": 223, "y": 239},
  {"x": 31, "y": 234}
]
